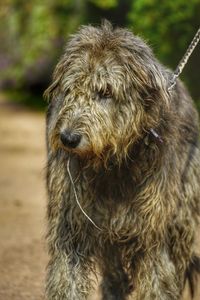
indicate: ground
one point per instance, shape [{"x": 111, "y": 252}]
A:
[{"x": 23, "y": 255}]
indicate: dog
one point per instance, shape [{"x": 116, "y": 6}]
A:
[{"x": 123, "y": 171}]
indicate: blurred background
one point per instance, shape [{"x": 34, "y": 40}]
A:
[{"x": 32, "y": 37}]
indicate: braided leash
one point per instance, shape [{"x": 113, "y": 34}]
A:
[
  {"x": 185, "y": 58},
  {"x": 179, "y": 70}
]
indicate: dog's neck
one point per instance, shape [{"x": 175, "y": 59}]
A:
[{"x": 142, "y": 157}]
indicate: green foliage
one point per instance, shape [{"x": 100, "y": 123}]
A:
[
  {"x": 169, "y": 25},
  {"x": 36, "y": 30},
  {"x": 105, "y": 4},
  {"x": 33, "y": 34}
]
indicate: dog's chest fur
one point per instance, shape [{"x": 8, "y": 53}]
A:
[{"x": 107, "y": 196}]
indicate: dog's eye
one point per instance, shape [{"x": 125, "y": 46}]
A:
[
  {"x": 107, "y": 93},
  {"x": 104, "y": 94}
]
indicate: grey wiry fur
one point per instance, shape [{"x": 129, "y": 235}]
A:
[{"x": 142, "y": 191}]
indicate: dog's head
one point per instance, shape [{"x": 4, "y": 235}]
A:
[{"x": 107, "y": 91}]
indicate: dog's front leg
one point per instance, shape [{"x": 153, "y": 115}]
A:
[
  {"x": 157, "y": 278},
  {"x": 69, "y": 258},
  {"x": 66, "y": 278},
  {"x": 67, "y": 272}
]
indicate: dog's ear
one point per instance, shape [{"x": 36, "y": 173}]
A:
[
  {"x": 158, "y": 82},
  {"x": 149, "y": 73},
  {"x": 158, "y": 77},
  {"x": 49, "y": 92},
  {"x": 52, "y": 90}
]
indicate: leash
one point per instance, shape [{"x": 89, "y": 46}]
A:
[
  {"x": 178, "y": 71},
  {"x": 185, "y": 58}
]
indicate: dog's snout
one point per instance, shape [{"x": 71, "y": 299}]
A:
[{"x": 69, "y": 139}]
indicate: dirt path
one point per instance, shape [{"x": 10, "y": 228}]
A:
[{"x": 22, "y": 204}]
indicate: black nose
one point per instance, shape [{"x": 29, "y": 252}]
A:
[{"x": 69, "y": 139}]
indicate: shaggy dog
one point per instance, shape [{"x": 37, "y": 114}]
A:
[{"x": 123, "y": 172}]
